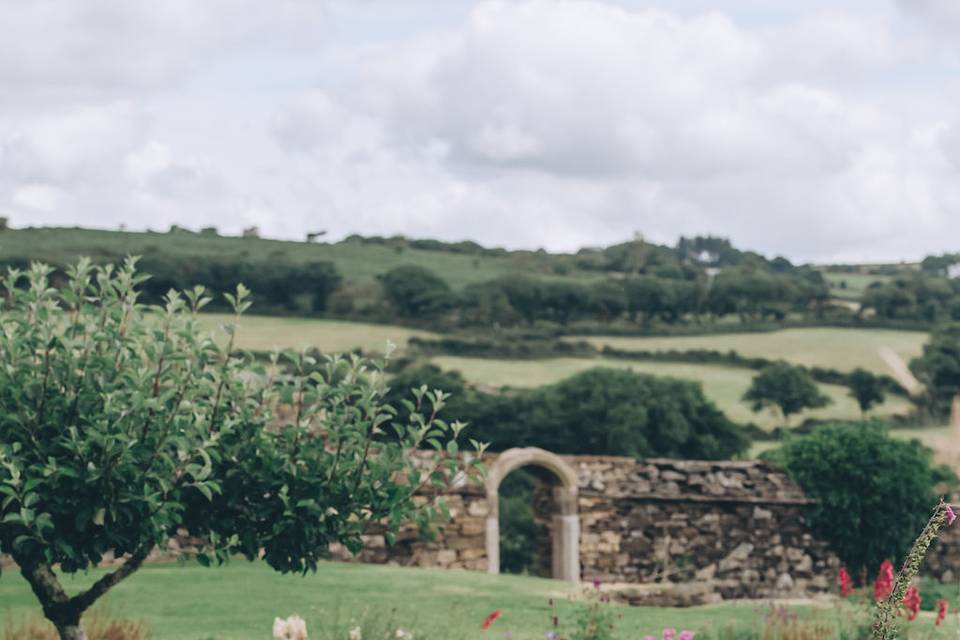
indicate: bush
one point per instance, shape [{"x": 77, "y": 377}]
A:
[
  {"x": 416, "y": 292},
  {"x": 873, "y": 492}
]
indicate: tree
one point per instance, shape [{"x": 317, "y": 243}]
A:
[
  {"x": 416, "y": 291},
  {"x": 120, "y": 425},
  {"x": 866, "y": 388},
  {"x": 871, "y": 492},
  {"x": 787, "y": 387},
  {"x": 618, "y": 412},
  {"x": 939, "y": 367}
]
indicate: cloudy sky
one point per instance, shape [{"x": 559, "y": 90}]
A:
[{"x": 817, "y": 130}]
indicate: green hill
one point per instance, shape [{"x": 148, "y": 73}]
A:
[{"x": 359, "y": 260}]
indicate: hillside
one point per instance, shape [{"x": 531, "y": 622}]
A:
[
  {"x": 700, "y": 284},
  {"x": 358, "y": 260}
]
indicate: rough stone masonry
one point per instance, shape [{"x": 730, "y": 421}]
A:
[{"x": 734, "y": 529}]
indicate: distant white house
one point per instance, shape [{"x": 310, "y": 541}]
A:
[{"x": 953, "y": 271}]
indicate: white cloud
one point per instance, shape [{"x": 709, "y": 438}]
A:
[{"x": 555, "y": 123}]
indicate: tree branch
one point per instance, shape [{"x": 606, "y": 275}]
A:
[{"x": 83, "y": 600}]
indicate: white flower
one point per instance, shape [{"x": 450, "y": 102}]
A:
[
  {"x": 355, "y": 634},
  {"x": 293, "y": 628}
]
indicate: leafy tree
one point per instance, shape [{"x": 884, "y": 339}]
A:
[
  {"x": 866, "y": 388},
  {"x": 121, "y": 424},
  {"x": 939, "y": 367},
  {"x": 787, "y": 387},
  {"x": 416, "y": 291},
  {"x": 618, "y": 412},
  {"x": 872, "y": 492}
]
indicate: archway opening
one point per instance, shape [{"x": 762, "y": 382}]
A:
[
  {"x": 526, "y": 507},
  {"x": 536, "y": 492}
]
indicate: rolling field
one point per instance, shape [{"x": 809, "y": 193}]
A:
[
  {"x": 724, "y": 385},
  {"x": 359, "y": 263},
  {"x": 835, "y": 348},
  {"x": 856, "y": 283},
  {"x": 264, "y": 333},
  {"x": 240, "y": 600}
]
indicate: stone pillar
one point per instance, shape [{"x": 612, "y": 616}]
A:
[
  {"x": 493, "y": 542},
  {"x": 566, "y": 548}
]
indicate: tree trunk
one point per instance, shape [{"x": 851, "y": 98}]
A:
[{"x": 71, "y": 631}]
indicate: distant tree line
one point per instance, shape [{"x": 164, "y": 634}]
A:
[
  {"x": 926, "y": 295},
  {"x": 415, "y": 292},
  {"x": 278, "y": 286}
]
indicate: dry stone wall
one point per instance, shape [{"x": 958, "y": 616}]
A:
[{"x": 737, "y": 527}]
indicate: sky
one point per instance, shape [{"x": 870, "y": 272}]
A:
[{"x": 821, "y": 131}]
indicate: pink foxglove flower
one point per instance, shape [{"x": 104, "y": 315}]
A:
[{"x": 951, "y": 516}]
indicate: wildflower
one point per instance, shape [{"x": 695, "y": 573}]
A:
[
  {"x": 911, "y": 600},
  {"x": 293, "y": 628},
  {"x": 490, "y": 618},
  {"x": 355, "y": 634},
  {"x": 669, "y": 634},
  {"x": 951, "y": 516},
  {"x": 648, "y": 638},
  {"x": 843, "y": 579},
  {"x": 883, "y": 585},
  {"x": 551, "y": 635},
  {"x": 686, "y": 635},
  {"x": 596, "y": 584},
  {"x": 941, "y": 611}
]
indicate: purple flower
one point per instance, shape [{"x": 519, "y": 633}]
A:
[
  {"x": 596, "y": 583},
  {"x": 669, "y": 634},
  {"x": 686, "y": 635},
  {"x": 648, "y": 638},
  {"x": 951, "y": 516}
]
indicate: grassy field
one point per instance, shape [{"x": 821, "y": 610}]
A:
[
  {"x": 835, "y": 348},
  {"x": 239, "y": 602},
  {"x": 264, "y": 333},
  {"x": 724, "y": 385},
  {"x": 856, "y": 284},
  {"x": 359, "y": 263}
]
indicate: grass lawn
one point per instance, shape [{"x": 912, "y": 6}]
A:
[
  {"x": 239, "y": 602},
  {"x": 850, "y": 286},
  {"x": 724, "y": 385},
  {"x": 835, "y": 348},
  {"x": 263, "y": 333}
]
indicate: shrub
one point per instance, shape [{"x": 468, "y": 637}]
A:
[
  {"x": 416, "y": 292},
  {"x": 872, "y": 492}
]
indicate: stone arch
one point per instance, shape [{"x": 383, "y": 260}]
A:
[{"x": 566, "y": 522}]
